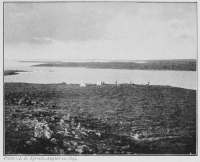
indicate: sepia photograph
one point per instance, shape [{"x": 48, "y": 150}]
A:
[{"x": 100, "y": 78}]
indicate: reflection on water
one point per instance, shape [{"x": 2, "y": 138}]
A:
[{"x": 184, "y": 79}]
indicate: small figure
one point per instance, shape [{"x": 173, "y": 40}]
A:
[
  {"x": 82, "y": 85},
  {"x": 116, "y": 82}
]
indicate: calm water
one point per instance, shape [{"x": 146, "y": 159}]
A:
[{"x": 184, "y": 79}]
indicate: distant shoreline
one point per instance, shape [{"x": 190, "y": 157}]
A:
[
  {"x": 182, "y": 65},
  {"x": 12, "y": 72}
]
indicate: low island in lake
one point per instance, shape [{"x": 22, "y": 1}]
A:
[{"x": 12, "y": 72}]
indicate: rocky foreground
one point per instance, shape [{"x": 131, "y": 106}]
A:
[{"x": 106, "y": 119}]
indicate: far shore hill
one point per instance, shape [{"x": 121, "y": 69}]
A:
[{"x": 177, "y": 64}]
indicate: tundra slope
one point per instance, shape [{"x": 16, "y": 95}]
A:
[{"x": 107, "y": 119}]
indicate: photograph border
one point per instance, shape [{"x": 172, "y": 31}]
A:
[{"x": 104, "y": 1}]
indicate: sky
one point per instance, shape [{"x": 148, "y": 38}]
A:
[{"x": 100, "y": 30}]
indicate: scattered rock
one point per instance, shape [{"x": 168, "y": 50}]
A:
[
  {"x": 125, "y": 147},
  {"x": 42, "y": 130},
  {"x": 98, "y": 134},
  {"x": 80, "y": 149},
  {"x": 74, "y": 143},
  {"x": 28, "y": 142},
  {"x": 54, "y": 141}
]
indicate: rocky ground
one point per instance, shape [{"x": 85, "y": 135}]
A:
[{"x": 107, "y": 119}]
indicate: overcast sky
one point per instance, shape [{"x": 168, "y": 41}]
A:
[{"x": 98, "y": 30}]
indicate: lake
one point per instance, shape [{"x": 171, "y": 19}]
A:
[{"x": 184, "y": 79}]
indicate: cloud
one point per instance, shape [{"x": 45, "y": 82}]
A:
[
  {"x": 60, "y": 21},
  {"x": 101, "y": 30},
  {"x": 98, "y": 49}
]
